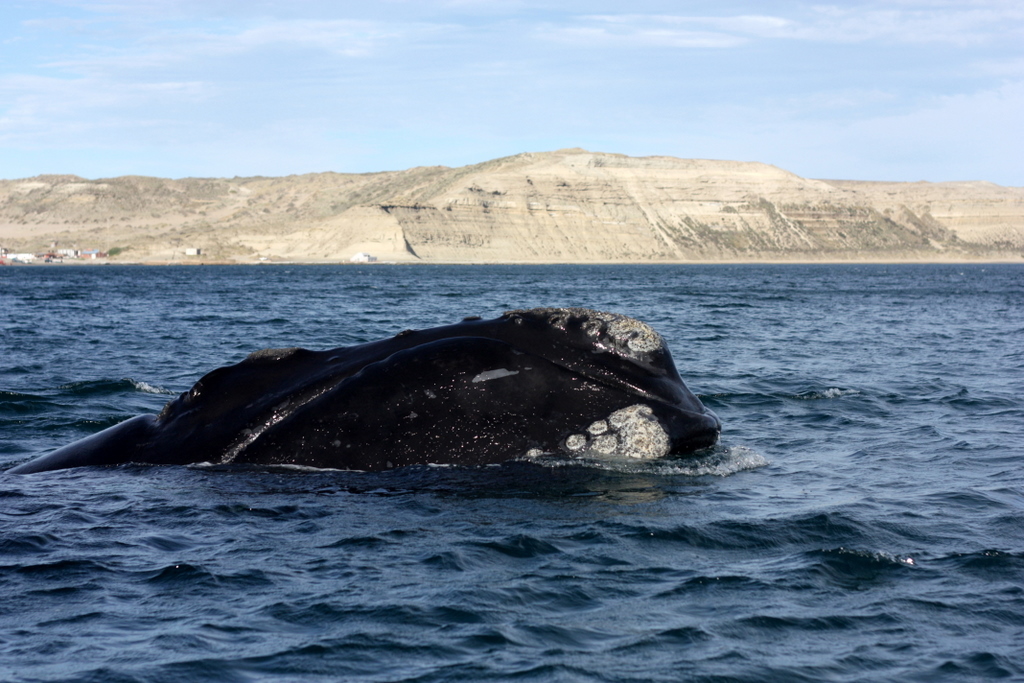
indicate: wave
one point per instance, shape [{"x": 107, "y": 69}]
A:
[
  {"x": 110, "y": 387},
  {"x": 719, "y": 461},
  {"x": 147, "y": 388},
  {"x": 822, "y": 529},
  {"x": 17, "y": 403},
  {"x": 991, "y": 564},
  {"x": 856, "y": 569},
  {"x": 778, "y": 396},
  {"x": 832, "y": 392}
]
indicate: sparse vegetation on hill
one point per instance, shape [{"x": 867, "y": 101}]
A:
[{"x": 567, "y": 206}]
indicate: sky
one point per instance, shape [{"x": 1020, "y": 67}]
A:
[{"x": 901, "y": 90}]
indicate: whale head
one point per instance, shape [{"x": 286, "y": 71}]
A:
[{"x": 565, "y": 382}]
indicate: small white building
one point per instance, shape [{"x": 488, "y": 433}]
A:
[
  {"x": 22, "y": 258},
  {"x": 193, "y": 251},
  {"x": 363, "y": 257}
]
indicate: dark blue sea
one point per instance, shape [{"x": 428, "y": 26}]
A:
[{"x": 861, "y": 520}]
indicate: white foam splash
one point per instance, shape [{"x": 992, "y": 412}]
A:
[
  {"x": 147, "y": 388},
  {"x": 836, "y": 392},
  {"x": 832, "y": 392},
  {"x": 719, "y": 462}
]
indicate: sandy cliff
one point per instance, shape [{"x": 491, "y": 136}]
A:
[{"x": 566, "y": 206}]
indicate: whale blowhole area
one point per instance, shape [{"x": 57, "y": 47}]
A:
[{"x": 629, "y": 335}]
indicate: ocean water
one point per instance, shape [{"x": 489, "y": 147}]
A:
[{"x": 861, "y": 520}]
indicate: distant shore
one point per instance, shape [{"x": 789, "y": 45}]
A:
[
  {"x": 765, "y": 261},
  {"x": 569, "y": 206}
]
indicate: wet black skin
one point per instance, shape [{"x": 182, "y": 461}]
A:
[{"x": 410, "y": 399}]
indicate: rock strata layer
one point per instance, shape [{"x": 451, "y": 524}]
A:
[{"x": 565, "y": 206}]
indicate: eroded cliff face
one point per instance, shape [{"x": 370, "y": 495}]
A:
[{"x": 566, "y": 206}]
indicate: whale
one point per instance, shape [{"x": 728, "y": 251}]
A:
[{"x": 561, "y": 383}]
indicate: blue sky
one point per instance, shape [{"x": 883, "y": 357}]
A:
[{"x": 896, "y": 90}]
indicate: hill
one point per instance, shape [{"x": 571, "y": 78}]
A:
[{"x": 565, "y": 206}]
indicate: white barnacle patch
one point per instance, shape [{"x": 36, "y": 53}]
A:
[
  {"x": 606, "y": 444},
  {"x": 497, "y": 373},
  {"x": 429, "y": 393},
  {"x": 628, "y": 336},
  {"x": 632, "y": 432},
  {"x": 620, "y": 418},
  {"x": 638, "y": 337},
  {"x": 576, "y": 442},
  {"x": 534, "y": 453},
  {"x": 336, "y": 443},
  {"x": 640, "y": 434}
]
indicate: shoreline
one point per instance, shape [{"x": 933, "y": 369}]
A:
[{"x": 711, "y": 262}]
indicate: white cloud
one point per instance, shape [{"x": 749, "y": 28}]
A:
[
  {"x": 929, "y": 24},
  {"x": 341, "y": 37},
  {"x": 642, "y": 31},
  {"x": 917, "y": 22},
  {"x": 49, "y": 112},
  {"x": 634, "y": 30},
  {"x": 167, "y": 47}
]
